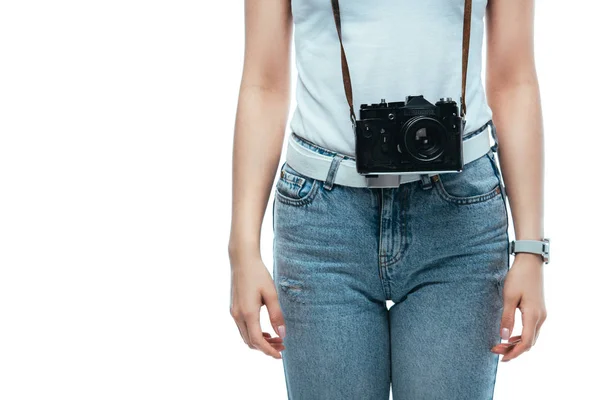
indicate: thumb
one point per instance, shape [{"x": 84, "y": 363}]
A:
[
  {"x": 507, "y": 322},
  {"x": 275, "y": 313}
]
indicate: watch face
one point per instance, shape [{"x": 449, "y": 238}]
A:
[{"x": 546, "y": 254}]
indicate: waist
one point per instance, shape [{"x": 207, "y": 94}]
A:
[{"x": 316, "y": 161}]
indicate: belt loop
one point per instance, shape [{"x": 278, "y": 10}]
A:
[
  {"x": 426, "y": 182},
  {"x": 495, "y": 146},
  {"x": 335, "y": 163}
]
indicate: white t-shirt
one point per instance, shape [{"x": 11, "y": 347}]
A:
[{"x": 394, "y": 48}]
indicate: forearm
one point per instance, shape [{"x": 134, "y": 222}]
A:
[
  {"x": 258, "y": 138},
  {"x": 518, "y": 118},
  {"x": 513, "y": 94}
]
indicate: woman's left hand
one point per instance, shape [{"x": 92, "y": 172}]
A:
[{"x": 523, "y": 288}]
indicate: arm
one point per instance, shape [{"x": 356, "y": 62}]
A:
[
  {"x": 513, "y": 94},
  {"x": 262, "y": 112}
]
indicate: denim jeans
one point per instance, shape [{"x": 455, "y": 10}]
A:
[{"x": 439, "y": 253}]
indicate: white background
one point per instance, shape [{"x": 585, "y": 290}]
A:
[{"x": 116, "y": 123}]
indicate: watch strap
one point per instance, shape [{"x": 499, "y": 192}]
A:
[{"x": 541, "y": 247}]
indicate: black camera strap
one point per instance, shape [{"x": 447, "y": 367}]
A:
[{"x": 465, "y": 57}]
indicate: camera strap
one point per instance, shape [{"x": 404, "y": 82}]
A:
[{"x": 465, "y": 58}]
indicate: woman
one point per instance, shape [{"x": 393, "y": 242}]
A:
[{"x": 437, "y": 249}]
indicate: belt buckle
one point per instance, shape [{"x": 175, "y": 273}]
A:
[{"x": 383, "y": 181}]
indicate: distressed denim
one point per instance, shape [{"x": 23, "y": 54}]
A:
[{"x": 439, "y": 254}]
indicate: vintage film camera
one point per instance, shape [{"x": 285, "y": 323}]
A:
[{"x": 409, "y": 136}]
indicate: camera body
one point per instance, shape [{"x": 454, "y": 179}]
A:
[{"x": 408, "y": 137}]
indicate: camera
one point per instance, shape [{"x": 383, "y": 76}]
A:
[{"x": 409, "y": 136}]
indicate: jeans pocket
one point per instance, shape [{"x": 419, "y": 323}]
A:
[
  {"x": 478, "y": 182},
  {"x": 294, "y": 188}
]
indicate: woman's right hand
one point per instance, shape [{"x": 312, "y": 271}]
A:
[
  {"x": 259, "y": 133},
  {"x": 252, "y": 287}
]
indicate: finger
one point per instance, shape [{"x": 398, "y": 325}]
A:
[
  {"x": 240, "y": 331},
  {"x": 257, "y": 339},
  {"x": 503, "y": 348},
  {"x": 238, "y": 317},
  {"x": 275, "y": 313},
  {"x": 539, "y": 326},
  {"x": 276, "y": 344},
  {"x": 274, "y": 340},
  {"x": 529, "y": 323},
  {"x": 507, "y": 322},
  {"x": 510, "y": 343},
  {"x": 537, "y": 332},
  {"x": 244, "y": 331}
]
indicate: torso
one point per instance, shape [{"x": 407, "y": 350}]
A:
[{"x": 394, "y": 48}]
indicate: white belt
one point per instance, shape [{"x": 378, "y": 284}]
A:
[{"x": 316, "y": 165}]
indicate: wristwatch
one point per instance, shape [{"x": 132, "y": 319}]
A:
[{"x": 541, "y": 247}]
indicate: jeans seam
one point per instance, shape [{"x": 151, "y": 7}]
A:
[
  {"x": 495, "y": 377},
  {"x": 381, "y": 265},
  {"x": 293, "y": 180},
  {"x": 307, "y": 143},
  {"x": 481, "y": 198},
  {"x": 304, "y": 201}
]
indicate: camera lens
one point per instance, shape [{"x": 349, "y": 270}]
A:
[{"x": 424, "y": 138}]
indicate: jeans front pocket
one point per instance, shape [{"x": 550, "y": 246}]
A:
[
  {"x": 478, "y": 182},
  {"x": 294, "y": 188}
]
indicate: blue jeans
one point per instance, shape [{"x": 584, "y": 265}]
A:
[{"x": 439, "y": 253}]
